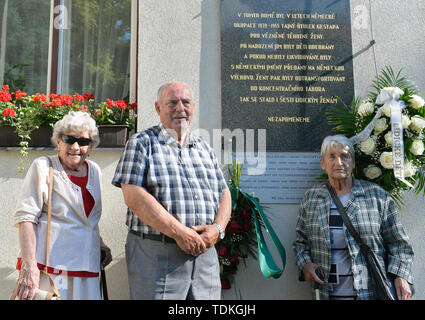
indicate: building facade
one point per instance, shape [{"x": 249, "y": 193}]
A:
[{"x": 180, "y": 40}]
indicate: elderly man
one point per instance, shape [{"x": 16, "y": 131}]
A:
[
  {"x": 323, "y": 241},
  {"x": 178, "y": 205}
]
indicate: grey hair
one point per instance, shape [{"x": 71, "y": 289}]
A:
[
  {"x": 78, "y": 121},
  {"x": 331, "y": 141},
  {"x": 161, "y": 89}
]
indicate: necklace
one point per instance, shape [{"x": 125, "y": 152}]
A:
[
  {"x": 76, "y": 173},
  {"x": 80, "y": 172}
]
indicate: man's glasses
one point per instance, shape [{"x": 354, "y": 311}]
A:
[{"x": 71, "y": 140}]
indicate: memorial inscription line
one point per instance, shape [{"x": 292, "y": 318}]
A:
[{"x": 311, "y": 56}]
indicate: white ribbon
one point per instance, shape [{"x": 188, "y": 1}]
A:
[
  {"x": 365, "y": 134},
  {"x": 389, "y": 96}
]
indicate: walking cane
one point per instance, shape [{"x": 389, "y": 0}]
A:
[{"x": 103, "y": 278}]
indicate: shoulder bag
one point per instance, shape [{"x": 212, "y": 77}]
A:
[
  {"x": 383, "y": 284},
  {"x": 42, "y": 294}
]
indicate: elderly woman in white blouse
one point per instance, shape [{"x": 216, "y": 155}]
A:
[{"x": 75, "y": 243}]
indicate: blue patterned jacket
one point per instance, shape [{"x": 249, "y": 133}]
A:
[{"x": 374, "y": 215}]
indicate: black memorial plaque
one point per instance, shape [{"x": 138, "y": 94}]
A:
[{"x": 283, "y": 64}]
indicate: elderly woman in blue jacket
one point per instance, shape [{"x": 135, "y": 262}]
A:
[{"x": 323, "y": 242}]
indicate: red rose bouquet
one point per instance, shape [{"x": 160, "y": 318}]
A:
[{"x": 240, "y": 240}]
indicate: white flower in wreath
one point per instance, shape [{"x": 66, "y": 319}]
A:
[
  {"x": 389, "y": 93},
  {"x": 409, "y": 169},
  {"x": 417, "y": 123},
  {"x": 386, "y": 109},
  {"x": 380, "y": 125},
  {"x": 386, "y": 160},
  {"x": 368, "y": 146},
  {"x": 365, "y": 109},
  {"x": 389, "y": 138},
  {"x": 416, "y": 101},
  {"x": 372, "y": 172},
  {"x": 405, "y": 121},
  {"x": 417, "y": 147}
]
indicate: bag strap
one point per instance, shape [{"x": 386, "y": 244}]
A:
[
  {"x": 49, "y": 213},
  {"x": 374, "y": 265},
  {"x": 49, "y": 219},
  {"x": 267, "y": 264},
  {"x": 344, "y": 216}
]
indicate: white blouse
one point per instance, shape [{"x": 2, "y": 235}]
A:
[{"x": 74, "y": 237}]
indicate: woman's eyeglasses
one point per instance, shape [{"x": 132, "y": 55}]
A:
[{"x": 82, "y": 142}]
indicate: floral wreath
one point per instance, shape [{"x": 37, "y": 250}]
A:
[
  {"x": 244, "y": 236},
  {"x": 240, "y": 240},
  {"x": 387, "y": 132}
]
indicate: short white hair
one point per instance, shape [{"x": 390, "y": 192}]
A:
[
  {"x": 331, "y": 141},
  {"x": 161, "y": 89},
  {"x": 78, "y": 121}
]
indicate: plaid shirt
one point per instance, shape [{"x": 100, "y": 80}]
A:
[
  {"x": 187, "y": 181},
  {"x": 373, "y": 214}
]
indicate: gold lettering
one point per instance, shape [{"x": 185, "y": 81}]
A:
[
  {"x": 244, "y": 25},
  {"x": 288, "y": 119}
]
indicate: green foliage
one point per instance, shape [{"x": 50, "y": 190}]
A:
[{"x": 26, "y": 113}]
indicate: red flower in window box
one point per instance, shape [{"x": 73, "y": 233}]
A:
[{"x": 9, "y": 112}]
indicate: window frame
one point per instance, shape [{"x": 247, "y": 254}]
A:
[{"x": 54, "y": 63}]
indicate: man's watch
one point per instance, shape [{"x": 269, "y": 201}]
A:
[{"x": 220, "y": 229}]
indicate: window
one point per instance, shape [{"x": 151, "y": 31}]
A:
[
  {"x": 89, "y": 47},
  {"x": 24, "y": 44}
]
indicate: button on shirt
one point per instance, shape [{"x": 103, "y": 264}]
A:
[{"x": 186, "y": 180}]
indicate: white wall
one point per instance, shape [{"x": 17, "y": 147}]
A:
[
  {"x": 180, "y": 40},
  {"x": 188, "y": 49}
]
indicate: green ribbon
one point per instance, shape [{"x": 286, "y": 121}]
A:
[{"x": 267, "y": 264}]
